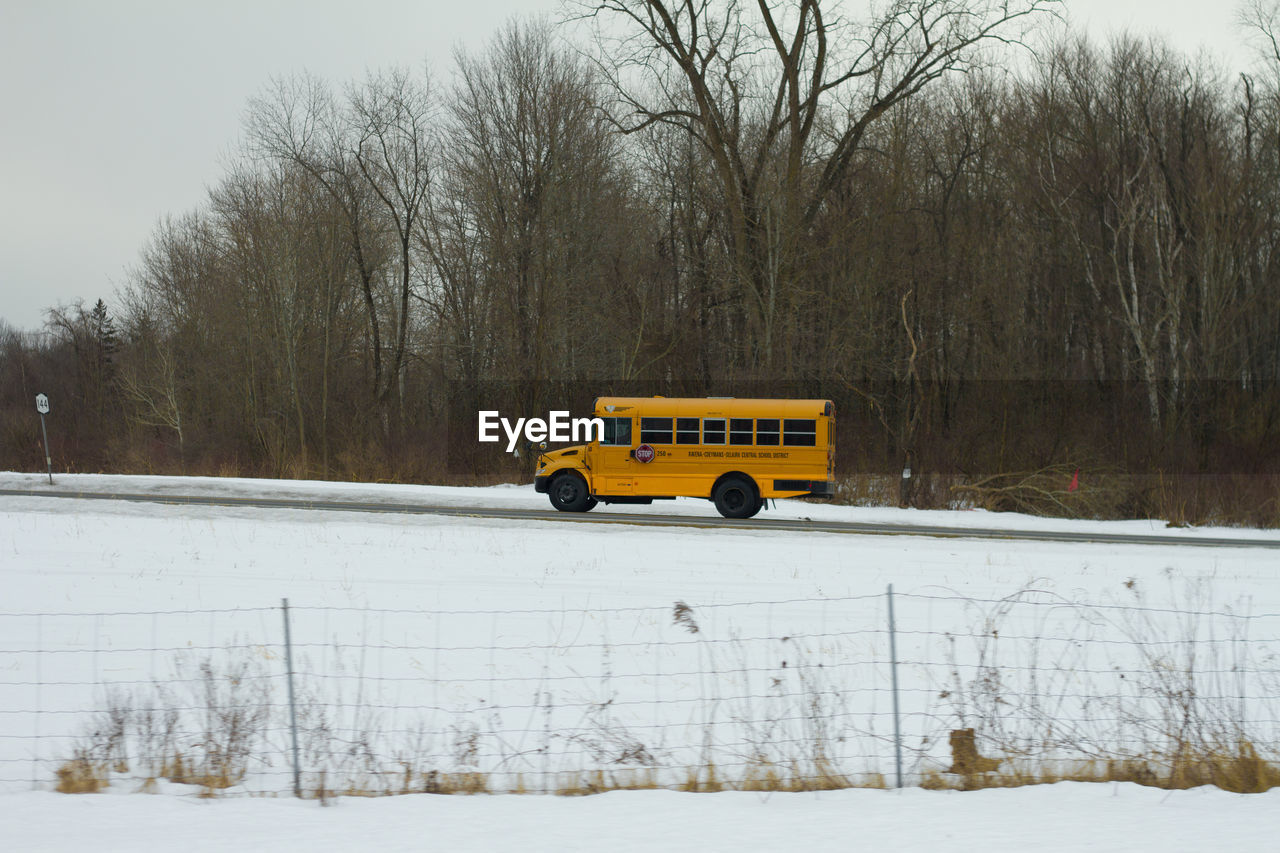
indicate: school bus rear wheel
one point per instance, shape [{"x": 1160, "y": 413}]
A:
[
  {"x": 569, "y": 493},
  {"x": 736, "y": 497}
]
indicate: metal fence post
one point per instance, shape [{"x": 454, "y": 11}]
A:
[
  {"x": 893, "y": 669},
  {"x": 35, "y": 762},
  {"x": 293, "y": 708}
]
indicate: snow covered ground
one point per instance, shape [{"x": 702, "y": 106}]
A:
[
  {"x": 467, "y": 617},
  {"x": 1120, "y": 818}
]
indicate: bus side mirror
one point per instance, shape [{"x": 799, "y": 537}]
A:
[{"x": 529, "y": 447}]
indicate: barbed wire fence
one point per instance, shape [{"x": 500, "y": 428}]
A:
[{"x": 886, "y": 689}]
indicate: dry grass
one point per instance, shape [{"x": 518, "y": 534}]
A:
[
  {"x": 821, "y": 776},
  {"x": 462, "y": 783},
  {"x": 210, "y": 778},
  {"x": 1013, "y": 777},
  {"x": 1104, "y": 493},
  {"x": 411, "y": 782},
  {"x": 1047, "y": 492},
  {"x": 226, "y": 706},
  {"x": 80, "y": 775},
  {"x": 702, "y": 780},
  {"x": 600, "y": 781},
  {"x": 1240, "y": 772}
]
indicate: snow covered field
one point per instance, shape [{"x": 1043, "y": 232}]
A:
[
  {"x": 1068, "y": 816},
  {"x": 512, "y": 626}
]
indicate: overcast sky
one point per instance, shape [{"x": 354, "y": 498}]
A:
[{"x": 114, "y": 113}]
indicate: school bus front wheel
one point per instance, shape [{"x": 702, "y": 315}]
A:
[{"x": 569, "y": 493}]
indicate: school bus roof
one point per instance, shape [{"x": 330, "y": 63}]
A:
[{"x": 711, "y": 407}]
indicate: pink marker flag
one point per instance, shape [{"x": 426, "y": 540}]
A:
[{"x": 1075, "y": 481}]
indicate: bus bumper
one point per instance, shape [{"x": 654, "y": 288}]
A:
[
  {"x": 811, "y": 488},
  {"x": 541, "y": 484}
]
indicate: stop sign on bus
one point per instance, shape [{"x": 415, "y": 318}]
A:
[{"x": 645, "y": 453}]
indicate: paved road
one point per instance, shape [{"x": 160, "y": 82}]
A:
[{"x": 652, "y": 520}]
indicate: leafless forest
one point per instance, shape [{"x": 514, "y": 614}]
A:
[{"x": 1007, "y": 253}]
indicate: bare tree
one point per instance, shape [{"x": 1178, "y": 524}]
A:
[
  {"x": 300, "y": 121},
  {"x": 530, "y": 211},
  {"x": 391, "y": 115},
  {"x": 781, "y": 96},
  {"x": 151, "y": 386},
  {"x": 1260, "y": 20}
]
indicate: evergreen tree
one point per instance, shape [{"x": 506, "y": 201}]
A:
[{"x": 105, "y": 341}]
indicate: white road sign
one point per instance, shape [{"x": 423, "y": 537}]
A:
[{"x": 42, "y": 404}]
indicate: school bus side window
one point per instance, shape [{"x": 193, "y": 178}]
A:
[
  {"x": 799, "y": 433},
  {"x": 740, "y": 431},
  {"x": 617, "y": 432},
  {"x": 768, "y": 431},
  {"x": 686, "y": 430},
  {"x": 655, "y": 431},
  {"x": 713, "y": 431}
]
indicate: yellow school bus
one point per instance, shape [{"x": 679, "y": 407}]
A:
[{"x": 736, "y": 453}]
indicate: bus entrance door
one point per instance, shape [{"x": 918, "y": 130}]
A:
[{"x": 614, "y": 465}]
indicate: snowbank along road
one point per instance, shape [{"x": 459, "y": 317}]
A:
[{"x": 667, "y": 520}]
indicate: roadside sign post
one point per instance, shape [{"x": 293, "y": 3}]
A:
[{"x": 42, "y": 406}]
